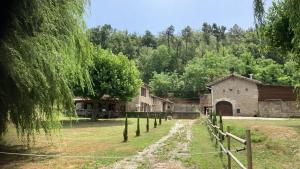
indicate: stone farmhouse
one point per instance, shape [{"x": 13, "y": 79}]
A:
[
  {"x": 112, "y": 107},
  {"x": 145, "y": 102},
  {"x": 236, "y": 95}
]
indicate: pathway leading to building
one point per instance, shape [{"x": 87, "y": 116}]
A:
[{"x": 165, "y": 153}]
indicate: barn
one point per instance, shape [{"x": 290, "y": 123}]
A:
[{"x": 236, "y": 95}]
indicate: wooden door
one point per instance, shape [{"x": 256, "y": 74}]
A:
[{"x": 224, "y": 108}]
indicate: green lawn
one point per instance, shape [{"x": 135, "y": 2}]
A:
[
  {"x": 276, "y": 144},
  {"x": 101, "y": 138}
]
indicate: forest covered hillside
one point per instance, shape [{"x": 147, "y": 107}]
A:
[{"x": 182, "y": 63}]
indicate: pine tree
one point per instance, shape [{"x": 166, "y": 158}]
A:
[
  {"x": 138, "y": 132},
  {"x": 125, "y": 132}
]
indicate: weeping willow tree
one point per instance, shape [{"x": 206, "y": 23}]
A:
[{"x": 44, "y": 54}]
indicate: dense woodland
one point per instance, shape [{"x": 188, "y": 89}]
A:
[
  {"x": 48, "y": 56},
  {"x": 182, "y": 63}
]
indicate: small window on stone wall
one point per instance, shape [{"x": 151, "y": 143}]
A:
[
  {"x": 230, "y": 90},
  {"x": 246, "y": 89},
  {"x": 224, "y": 90},
  {"x": 238, "y": 110}
]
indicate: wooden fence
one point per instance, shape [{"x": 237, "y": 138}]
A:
[{"x": 219, "y": 135}]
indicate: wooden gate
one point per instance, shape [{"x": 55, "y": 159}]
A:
[{"x": 224, "y": 108}]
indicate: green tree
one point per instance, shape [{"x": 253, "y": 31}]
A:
[
  {"x": 206, "y": 29},
  {"x": 187, "y": 33},
  {"x": 170, "y": 35},
  {"x": 165, "y": 83},
  {"x": 149, "y": 40},
  {"x": 114, "y": 75},
  {"x": 43, "y": 56},
  {"x": 270, "y": 72}
]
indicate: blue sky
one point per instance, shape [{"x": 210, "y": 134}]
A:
[{"x": 156, "y": 15}]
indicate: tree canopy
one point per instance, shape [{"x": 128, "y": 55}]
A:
[
  {"x": 114, "y": 75},
  {"x": 43, "y": 55}
]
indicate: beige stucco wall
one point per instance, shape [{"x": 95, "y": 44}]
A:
[
  {"x": 242, "y": 94},
  {"x": 277, "y": 108}
]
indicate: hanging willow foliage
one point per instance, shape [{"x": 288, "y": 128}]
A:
[{"x": 44, "y": 53}]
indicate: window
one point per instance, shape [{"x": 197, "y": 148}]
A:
[
  {"x": 238, "y": 111},
  {"x": 224, "y": 90},
  {"x": 143, "y": 92},
  {"x": 246, "y": 89},
  {"x": 230, "y": 90}
]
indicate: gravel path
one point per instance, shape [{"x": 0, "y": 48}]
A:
[{"x": 165, "y": 153}]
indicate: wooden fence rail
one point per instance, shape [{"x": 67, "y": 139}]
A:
[{"x": 218, "y": 134}]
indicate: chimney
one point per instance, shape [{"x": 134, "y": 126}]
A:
[{"x": 251, "y": 76}]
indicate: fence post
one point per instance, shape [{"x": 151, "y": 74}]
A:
[
  {"x": 249, "y": 150},
  {"x": 228, "y": 148}
]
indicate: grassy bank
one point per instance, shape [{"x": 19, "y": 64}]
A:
[
  {"x": 83, "y": 138},
  {"x": 275, "y": 145}
]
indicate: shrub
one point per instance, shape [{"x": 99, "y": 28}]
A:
[
  {"x": 138, "y": 132},
  {"x": 147, "y": 124},
  {"x": 155, "y": 122},
  {"x": 125, "y": 132},
  {"x": 159, "y": 121}
]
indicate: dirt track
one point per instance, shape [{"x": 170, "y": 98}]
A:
[{"x": 165, "y": 153}]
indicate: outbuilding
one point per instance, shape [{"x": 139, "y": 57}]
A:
[{"x": 236, "y": 95}]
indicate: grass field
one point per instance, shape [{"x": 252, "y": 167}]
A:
[
  {"x": 82, "y": 138},
  {"x": 276, "y": 144}
]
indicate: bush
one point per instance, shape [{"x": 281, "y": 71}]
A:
[
  {"x": 159, "y": 121},
  {"x": 155, "y": 122},
  {"x": 125, "y": 132},
  {"x": 147, "y": 125},
  {"x": 138, "y": 132}
]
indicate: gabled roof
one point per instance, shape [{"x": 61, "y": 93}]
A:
[{"x": 235, "y": 76}]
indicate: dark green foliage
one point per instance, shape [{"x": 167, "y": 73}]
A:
[
  {"x": 155, "y": 122},
  {"x": 114, "y": 75},
  {"x": 138, "y": 132},
  {"x": 210, "y": 116},
  {"x": 221, "y": 126},
  {"x": 214, "y": 118},
  {"x": 159, "y": 120},
  {"x": 44, "y": 53},
  {"x": 125, "y": 132},
  {"x": 147, "y": 124}
]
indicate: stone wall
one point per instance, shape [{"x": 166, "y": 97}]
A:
[
  {"x": 242, "y": 94},
  {"x": 157, "y": 105},
  {"x": 132, "y": 105},
  {"x": 278, "y": 108},
  {"x": 186, "y": 105}
]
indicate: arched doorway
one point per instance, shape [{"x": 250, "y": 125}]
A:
[{"x": 224, "y": 108}]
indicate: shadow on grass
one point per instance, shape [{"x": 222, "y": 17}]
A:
[
  {"x": 16, "y": 161},
  {"x": 86, "y": 123}
]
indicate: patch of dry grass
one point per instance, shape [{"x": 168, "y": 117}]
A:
[{"x": 84, "y": 138}]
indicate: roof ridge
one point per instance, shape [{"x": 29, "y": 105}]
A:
[{"x": 233, "y": 75}]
